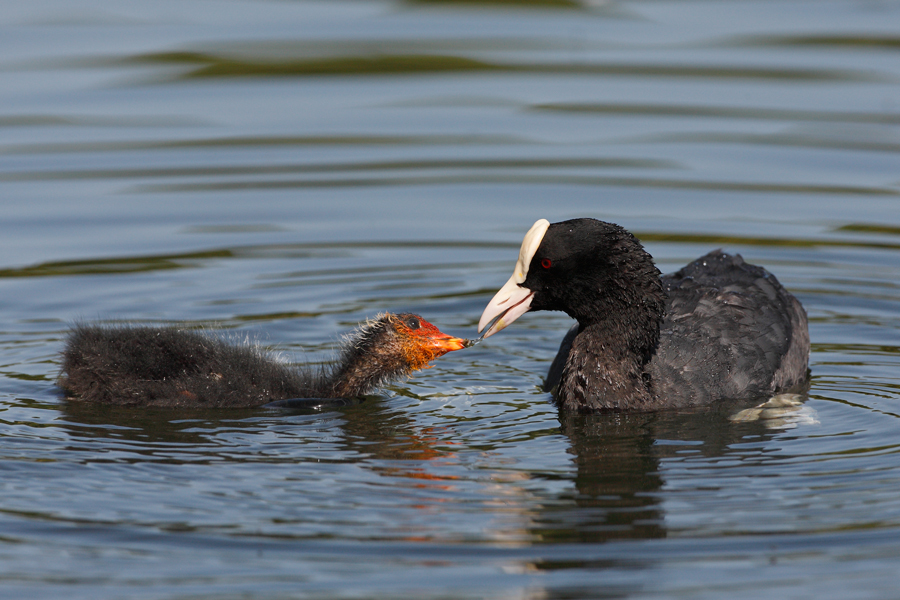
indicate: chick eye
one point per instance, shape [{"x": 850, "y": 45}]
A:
[
  {"x": 546, "y": 263},
  {"x": 412, "y": 323}
]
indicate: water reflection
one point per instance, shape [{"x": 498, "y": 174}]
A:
[
  {"x": 145, "y": 430},
  {"x": 617, "y": 480},
  {"x": 211, "y": 64},
  {"x": 620, "y": 480},
  {"x": 721, "y": 112},
  {"x": 315, "y": 141},
  {"x": 616, "y": 487},
  {"x": 357, "y": 430}
]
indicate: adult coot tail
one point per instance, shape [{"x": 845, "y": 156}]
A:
[
  {"x": 154, "y": 366},
  {"x": 717, "y": 329}
]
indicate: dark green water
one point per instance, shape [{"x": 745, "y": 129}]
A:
[{"x": 284, "y": 170}]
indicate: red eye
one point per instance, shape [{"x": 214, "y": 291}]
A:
[{"x": 546, "y": 263}]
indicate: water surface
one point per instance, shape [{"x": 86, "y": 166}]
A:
[{"x": 281, "y": 171}]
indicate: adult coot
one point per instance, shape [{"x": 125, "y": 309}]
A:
[
  {"x": 717, "y": 329},
  {"x": 154, "y": 366}
]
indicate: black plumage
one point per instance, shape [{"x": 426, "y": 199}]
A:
[
  {"x": 167, "y": 366},
  {"x": 717, "y": 329}
]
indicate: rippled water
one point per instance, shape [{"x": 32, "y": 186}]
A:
[{"x": 283, "y": 170}]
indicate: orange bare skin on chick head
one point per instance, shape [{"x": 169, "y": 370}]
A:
[{"x": 423, "y": 342}]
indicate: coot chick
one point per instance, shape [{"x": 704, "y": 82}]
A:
[
  {"x": 717, "y": 329},
  {"x": 153, "y": 366}
]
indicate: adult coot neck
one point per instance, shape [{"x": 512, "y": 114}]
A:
[{"x": 617, "y": 298}]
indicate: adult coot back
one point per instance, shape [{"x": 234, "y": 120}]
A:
[{"x": 717, "y": 329}]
